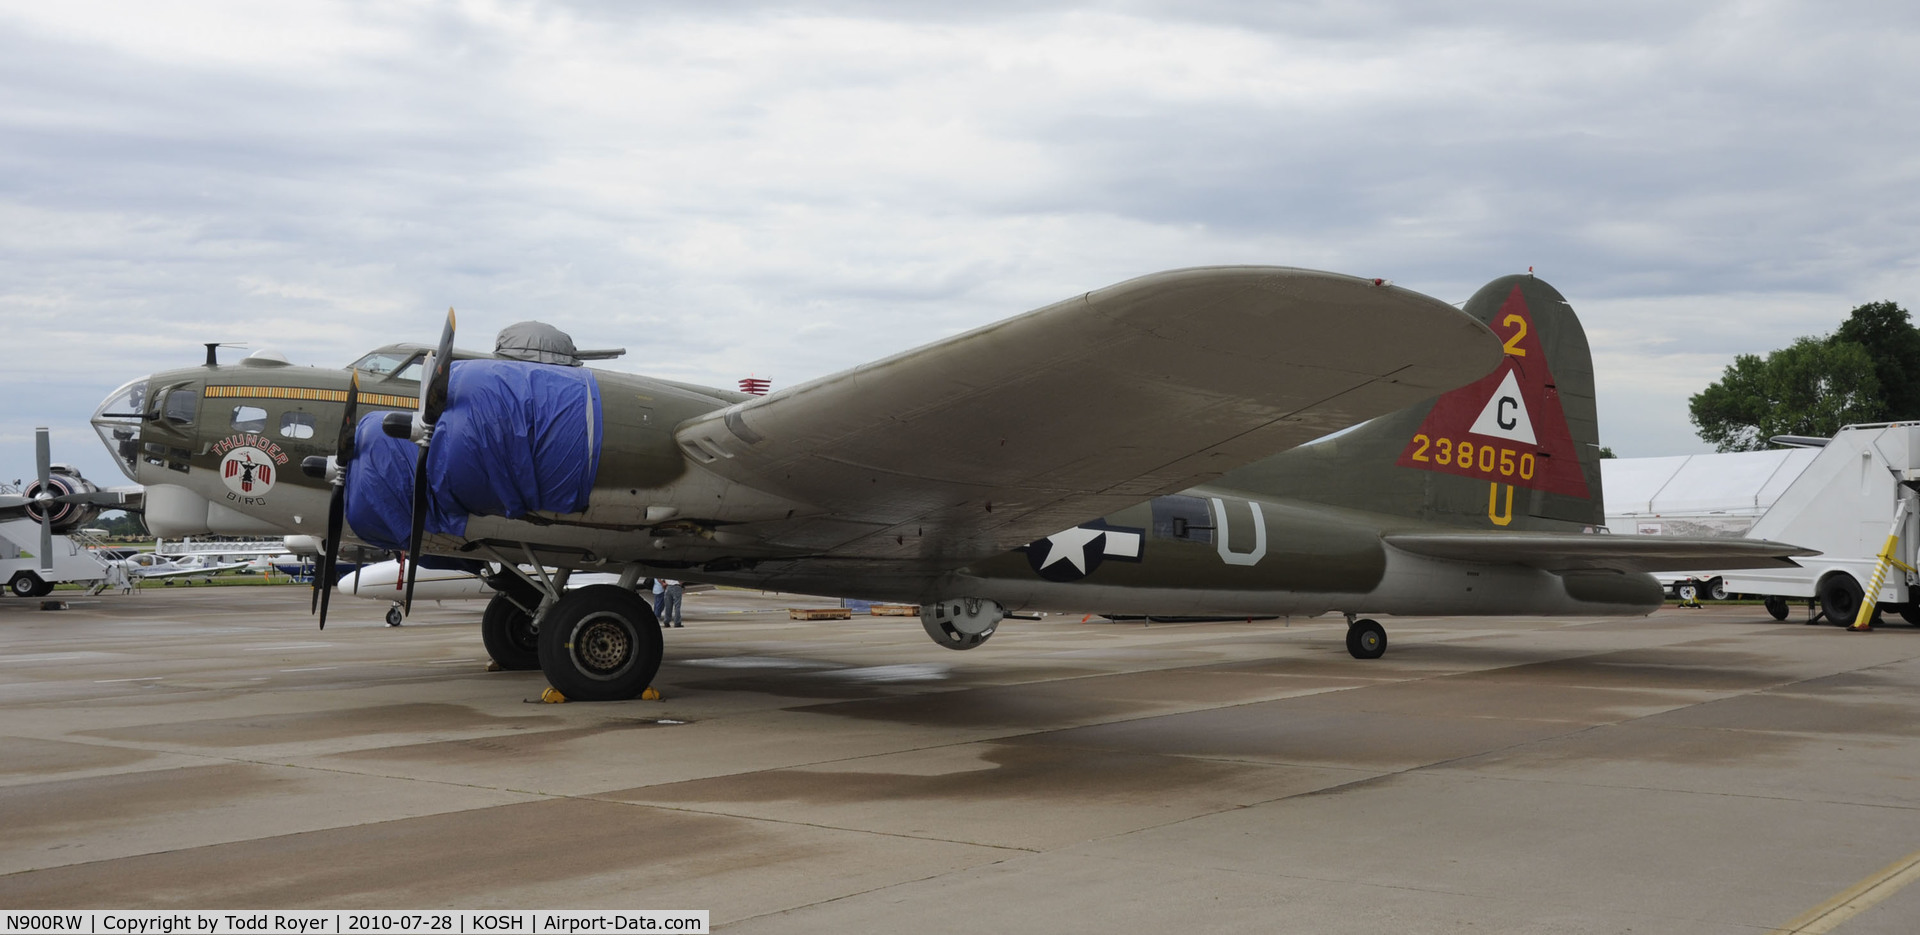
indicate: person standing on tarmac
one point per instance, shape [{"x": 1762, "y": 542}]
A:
[{"x": 671, "y": 592}]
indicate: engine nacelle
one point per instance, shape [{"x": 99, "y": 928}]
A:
[
  {"x": 62, "y": 518},
  {"x": 961, "y": 623}
]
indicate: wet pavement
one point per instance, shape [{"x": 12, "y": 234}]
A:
[{"x": 1696, "y": 771}]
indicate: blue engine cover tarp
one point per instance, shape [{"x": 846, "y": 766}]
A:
[{"x": 515, "y": 437}]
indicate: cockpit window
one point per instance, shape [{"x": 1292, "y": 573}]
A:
[
  {"x": 180, "y": 405},
  {"x": 381, "y": 363}
]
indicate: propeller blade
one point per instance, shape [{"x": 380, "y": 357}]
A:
[
  {"x": 324, "y": 576},
  {"x": 419, "y": 528},
  {"x": 433, "y": 390},
  {"x": 433, "y": 402},
  {"x": 336, "y": 518},
  {"x": 344, "y": 449},
  {"x": 43, "y": 463}
]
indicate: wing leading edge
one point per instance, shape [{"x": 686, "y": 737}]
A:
[{"x": 987, "y": 440}]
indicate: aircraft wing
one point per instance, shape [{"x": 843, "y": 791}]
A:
[
  {"x": 1576, "y": 552},
  {"x": 993, "y": 438},
  {"x": 208, "y": 570}
]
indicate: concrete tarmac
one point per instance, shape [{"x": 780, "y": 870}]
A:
[{"x": 1694, "y": 772}]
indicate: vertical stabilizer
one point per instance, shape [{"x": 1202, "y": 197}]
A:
[{"x": 1516, "y": 449}]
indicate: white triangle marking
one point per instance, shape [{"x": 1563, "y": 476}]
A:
[{"x": 1506, "y": 414}]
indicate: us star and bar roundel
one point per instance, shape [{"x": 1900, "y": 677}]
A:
[{"x": 1506, "y": 427}]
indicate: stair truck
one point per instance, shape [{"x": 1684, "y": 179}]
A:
[{"x": 1855, "y": 502}]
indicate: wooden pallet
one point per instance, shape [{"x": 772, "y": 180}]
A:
[
  {"x": 819, "y": 613},
  {"x": 894, "y": 610}
]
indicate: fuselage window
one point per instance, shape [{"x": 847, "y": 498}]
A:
[
  {"x": 297, "y": 425},
  {"x": 249, "y": 419},
  {"x": 1177, "y": 517}
]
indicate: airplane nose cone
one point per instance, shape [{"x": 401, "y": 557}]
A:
[{"x": 118, "y": 420}]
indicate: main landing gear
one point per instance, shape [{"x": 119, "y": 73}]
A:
[
  {"x": 600, "y": 643},
  {"x": 1366, "y": 639},
  {"x": 507, "y": 630},
  {"x": 597, "y": 643}
]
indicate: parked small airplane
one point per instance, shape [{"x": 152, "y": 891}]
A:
[
  {"x": 1180, "y": 408},
  {"x": 148, "y": 565}
]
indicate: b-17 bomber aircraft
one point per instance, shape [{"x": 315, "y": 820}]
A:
[{"x": 1164, "y": 446}]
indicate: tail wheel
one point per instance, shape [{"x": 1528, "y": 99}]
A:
[
  {"x": 508, "y": 632},
  {"x": 1366, "y": 639},
  {"x": 1777, "y": 607},
  {"x": 600, "y": 643}
]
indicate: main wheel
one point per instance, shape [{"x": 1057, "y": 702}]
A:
[
  {"x": 24, "y": 584},
  {"x": 600, "y": 643},
  {"x": 1910, "y": 613},
  {"x": 1366, "y": 639},
  {"x": 509, "y": 634},
  {"x": 1840, "y": 598},
  {"x": 1777, "y": 607}
]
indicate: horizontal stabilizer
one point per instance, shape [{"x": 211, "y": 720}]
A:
[{"x": 1576, "y": 552}]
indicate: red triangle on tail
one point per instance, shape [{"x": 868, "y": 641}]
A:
[{"x": 1508, "y": 426}]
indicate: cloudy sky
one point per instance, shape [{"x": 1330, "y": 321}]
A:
[{"x": 788, "y": 189}]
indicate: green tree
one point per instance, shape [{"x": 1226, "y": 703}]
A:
[
  {"x": 1812, "y": 387},
  {"x": 1887, "y": 333},
  {"x": 123, "y": 525}
]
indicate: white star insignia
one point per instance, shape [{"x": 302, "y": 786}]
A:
[{"x": 1071, "y": 545}]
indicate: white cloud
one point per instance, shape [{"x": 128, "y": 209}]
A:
[{"x": 788, "y": 189}]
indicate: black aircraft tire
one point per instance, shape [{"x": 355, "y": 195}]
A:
[
  {"x": 1777, "y": 607},
  {"x": 600, "y": 643},
  {"x": 1910, "y": 614},
  {"x": 509, "y": 635},
  {"x": 1366, "y": 639},
  {"x": 24, "y": 584},
  {"x": 1840, "y": 598}
]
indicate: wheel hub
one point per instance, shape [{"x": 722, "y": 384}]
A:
[{"x": 602, "y": 646}]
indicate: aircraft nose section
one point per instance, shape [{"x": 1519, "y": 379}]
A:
[{"x": 118, "y": 420}]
